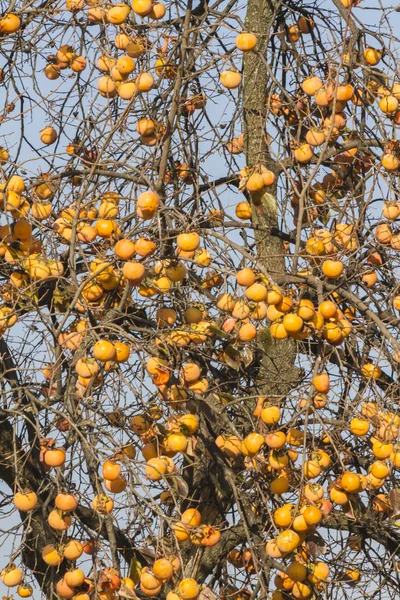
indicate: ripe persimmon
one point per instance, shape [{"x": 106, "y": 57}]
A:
[
  {"x": 24, "y": 590},
  {"x": 102, "y": 504},
  {"x": 48, "y": 135},
  {"x": 122, "y": 352},
  {"x": 181, "y": 532},
  {"x": 311, "y": 85},
  {"x": 191, "y": 517},
  {"x": 74, "y": 577},
  {"x": 145, "y": 81},
  {"x": 304, "y": 153},
  {"x": 230, "y": 79},
  {"x": 163, "y": 569},
  {"x": 72, "y": 550},
  {"x": 292, "y": 323},
  {"x": 371, "y": 371},
  {"x": 147, "y": 205},
  {"x": 321, "y": 383},
  {"x": 25, "y": 501},
  {"x": 66, "y": 502},
  {"x": 297, "y": 571},
  {"x": 58, "y": 520},
  {"x": 125, "y": 249},
  {"x": 111, "y": 470},
  {"x": 245, "y": 277},
  {"x": 188, "y": 242},
  {"x": 115, "y": 486},
  {"x": 134, "y": 272},
  {"x": 287, "y": 540},
  {"x": 252, "y": 443},
  {"x": 54, "y": 457},
  {"x": 246, "y": 41},
  {"x": 243, "y": 210},
  {"x": 270, "y": 414},
  {"x": 188, "y": 589},
  {"x": 155, "y": 468},
  {"x": 283, "y": 516},
  {"x": 142, "y": 7},
  {"x": 332, "y": 268},
  {"x": 312, "y": 515},
  {"x": 372, "y": 56},
  {"x": 64, "y": 590},
  {"x": 52, "y": 556},
  {"x": 103, "y": 350}
]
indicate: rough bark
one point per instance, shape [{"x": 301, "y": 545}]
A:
[{"x": 277, "y": 374}]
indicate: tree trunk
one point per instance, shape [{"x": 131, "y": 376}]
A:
[{"x": 277, "y": 374}]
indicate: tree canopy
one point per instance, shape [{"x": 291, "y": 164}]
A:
[{"x": 199, "y": 263}]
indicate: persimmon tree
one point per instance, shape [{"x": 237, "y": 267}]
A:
[{"x": 199, "y": 300}]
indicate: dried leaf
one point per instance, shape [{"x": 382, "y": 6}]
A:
[
  {"x": 232, "y": 357},
  {"x": 125, "y": 592},
  {"x": 233, "y": 364},
  {"x": 116, "y": 418},
  {"x": 242, "y": 184},
  {"x": 394, "y": 501},
  {"x": 218, "y": 332},
  {"x": 333, "y": 202},
  {"x": 354, "y": 542},
  {"x": 265, "y": 339},
  {"x": 350, "y": 512},
  {"x": 217, "y": 486},
  {"x": 180, "y": 486},
  {"x": 315, "y": 546},
  {"x": 246, "y": 356},
  {"x": 206, "y": 594},
  {"x": 324, "y": 215},
  {"x": 231, "y": 351},
  {"x": 269, "y": 202},
  {"x": 225, "y": 398},
  {"x": 190, "y": 450}
]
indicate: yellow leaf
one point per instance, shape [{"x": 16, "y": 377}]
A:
[{"x": 134, "y": 572}]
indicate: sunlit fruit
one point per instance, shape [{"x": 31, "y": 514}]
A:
[
  {"x": 321, "y": 383},
  {"x": 25, "y": 501},
  {"x": 246, "y": 42},
  {"x": 287, "y": 540},
  {"x": 64, "y": 590},
  {"x": 73, "y": 550},
  {"x": 24, "y": 590},
  {"x": 332, "y": 268},
  {"x": 51, "y": 555},
  {"x": 188, "y": 589},
  {"x": 359, "y": 427},
  {"x": 11, "y": 576},
  {"x": 58, "y": 520},
  {"x": 371, "y": 371},
  {"x": 372, "y": 56},
  {"x": 230, "y": 79},
  {"x": 66, "y": 502},
  {"x": 142, "y": 7},
  {"x": 54, "y": 457},
  {"x": 74, "y": 578},
  {"x": 147, "y": 205},
  {"x": 350, "y": 482},
  {"x": 163, "y": 569},
  {"x": 155, "y": 469},
  {"x": 10, "y": 23},
  {"x": 191, "y": 517}
]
